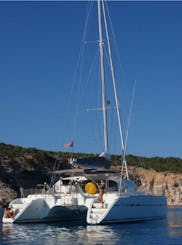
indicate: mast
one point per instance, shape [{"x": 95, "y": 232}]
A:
[
  {"x": 104, "y": 103},
  {"x": 101, "y": 7},
  {"x": 123, "y": 143}
]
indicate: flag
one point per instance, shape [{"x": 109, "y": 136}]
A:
[{"x": 69, "y": 144}]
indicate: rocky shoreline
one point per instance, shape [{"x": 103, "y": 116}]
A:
[{"x": 159, "y": 183}]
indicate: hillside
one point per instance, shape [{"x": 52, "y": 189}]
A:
[{"x": 27, "y": 167}]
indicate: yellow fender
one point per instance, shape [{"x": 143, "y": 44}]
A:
[{"x": 91, "y": 188}]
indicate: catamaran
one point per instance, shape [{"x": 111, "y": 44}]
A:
[{"x": 75, "y": 195}]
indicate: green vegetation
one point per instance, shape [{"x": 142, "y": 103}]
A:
[
  {"x": 169, "y": 164},
  {"x": 47, "y": 158}
]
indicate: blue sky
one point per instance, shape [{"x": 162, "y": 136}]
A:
[{"x": 39, "y": 47}]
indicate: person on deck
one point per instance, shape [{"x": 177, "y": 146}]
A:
[
  {"x": 101, "y": 192},
  {"x": 8, "y": 212},
  {"x": 21, "y": 192}
]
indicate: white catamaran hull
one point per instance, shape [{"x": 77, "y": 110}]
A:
[
  {"x": 128, "y": 209},
  {"x": 43, "y": 210}
]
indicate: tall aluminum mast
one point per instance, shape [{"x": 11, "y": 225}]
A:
[
  {"x": 123, "y": 144},
  {"x": 104, "y": 103}
]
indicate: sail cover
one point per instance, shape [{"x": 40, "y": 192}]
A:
[{"x": 93, "y": 162}]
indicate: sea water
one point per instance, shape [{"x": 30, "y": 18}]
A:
[{"x": 166, "y": 231}]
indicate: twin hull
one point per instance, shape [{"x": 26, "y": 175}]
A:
[
  {"x": 129, "y": 209},
  {"x": 117, "y": 209},
  {"x": 38, "y": 210}
]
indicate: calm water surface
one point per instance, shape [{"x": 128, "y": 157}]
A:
[{"x": 167, "y": 231}]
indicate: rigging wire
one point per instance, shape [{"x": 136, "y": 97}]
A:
[
  {"x": 130, "y": 113},
  {"x": 120, "y": 64},
  {"x": 81, "y": 69},
  {"x": 76, "y": 84}
]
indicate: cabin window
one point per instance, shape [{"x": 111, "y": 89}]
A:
[{"x": 112, "y": 185}]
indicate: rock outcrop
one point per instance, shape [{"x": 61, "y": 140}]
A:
[
  {"x": 24, "y": 172},
  {"x": 159, "y": 183}
]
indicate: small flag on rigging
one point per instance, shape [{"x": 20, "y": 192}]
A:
[{"x": 69, "y": 144}]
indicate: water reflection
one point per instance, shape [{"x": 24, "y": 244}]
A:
[
  {"x": 68, "y": 235},
  {"x": 98, "y": 235},
  {"x": 174, "y": 220},
  {"x": 167, "y": 231},
  {"x": 15, "y": 234},
  {"x": 55, "y": 233}
]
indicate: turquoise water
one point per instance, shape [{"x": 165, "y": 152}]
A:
[{"x": 167, "y": 231}]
